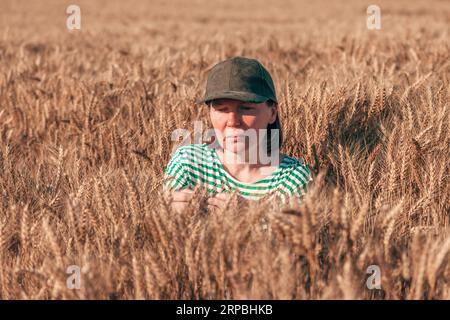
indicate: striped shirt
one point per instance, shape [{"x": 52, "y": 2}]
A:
[{"x": 196, "y": 164}]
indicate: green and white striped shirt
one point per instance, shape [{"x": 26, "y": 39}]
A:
[{"x": 196, "y": 164}]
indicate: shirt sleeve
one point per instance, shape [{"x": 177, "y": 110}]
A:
[
  {"x": 176, "y": 175},
  {"x": 305, "y": 176}
]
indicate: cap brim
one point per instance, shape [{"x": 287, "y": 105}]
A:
[{"x": 235, "y": 95}]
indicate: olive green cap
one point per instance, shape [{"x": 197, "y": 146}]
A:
[{"x": 239, "y": 78}]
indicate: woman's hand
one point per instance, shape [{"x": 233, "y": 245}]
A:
[
  {"x": 180, "y": 199},
  {"x": 220, "y": 200}
]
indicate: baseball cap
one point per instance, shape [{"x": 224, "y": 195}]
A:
[{"x": 239, "y": 78}]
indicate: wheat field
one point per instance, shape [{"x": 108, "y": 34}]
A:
[{"x": 86, "y": 118}]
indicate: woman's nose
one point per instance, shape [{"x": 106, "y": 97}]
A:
[{"x": 233, "y": 119}]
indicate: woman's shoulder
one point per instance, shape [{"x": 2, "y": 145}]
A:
[
  {"x": 292, "y": 161},
  {"x": 296, "y": 166},
  {"x": 193, "y": 151}
]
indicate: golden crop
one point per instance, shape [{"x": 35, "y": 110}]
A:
[{"x": 86, "y": 118}]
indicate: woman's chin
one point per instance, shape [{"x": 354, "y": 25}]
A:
[{"x": 235, "y": 147}]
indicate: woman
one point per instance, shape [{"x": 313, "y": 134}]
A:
[{"x": 244, "y": 113}]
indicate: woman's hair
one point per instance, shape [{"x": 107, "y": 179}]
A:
[{"x": 275, "y": 125}]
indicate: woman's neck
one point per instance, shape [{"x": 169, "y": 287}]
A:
[{"x": 246, "y": 170}]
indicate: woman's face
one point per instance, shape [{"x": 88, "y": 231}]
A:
[{"x": 233, "y": 119}]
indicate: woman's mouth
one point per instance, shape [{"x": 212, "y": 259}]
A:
[{"x": 234, "y": 138}]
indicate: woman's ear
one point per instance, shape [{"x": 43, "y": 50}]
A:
[{"x": 274, "y": 110}]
